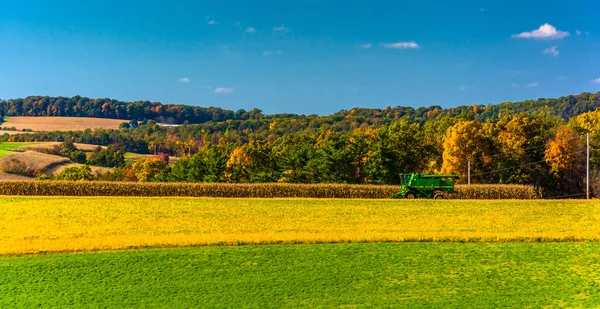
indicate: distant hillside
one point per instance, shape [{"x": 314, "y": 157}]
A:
[{"x": 77, "y": 106}]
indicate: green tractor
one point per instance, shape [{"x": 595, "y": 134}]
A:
[{"x": 418, "y": 185}]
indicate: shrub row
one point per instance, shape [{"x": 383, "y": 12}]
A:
[{"x": 95, "y": 188}]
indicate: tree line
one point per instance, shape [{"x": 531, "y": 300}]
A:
[
  {"x": 143, "y": 111},
  {"x": 542, "y": 150}
]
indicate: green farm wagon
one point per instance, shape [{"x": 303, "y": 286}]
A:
[{"x": 418, "y": 185}]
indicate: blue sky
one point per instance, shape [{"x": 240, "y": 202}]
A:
[{"x": 310, "y": 56}]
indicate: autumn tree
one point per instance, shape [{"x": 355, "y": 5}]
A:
[
  {"x": 147, "y": 169},
  {"x": 565, "y": 155},
  {"x": 466, "y": 141}
]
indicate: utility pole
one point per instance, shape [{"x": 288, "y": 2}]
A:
[
  {"x": 469, "y": 172},
  {"x": 587, "y": 167}
]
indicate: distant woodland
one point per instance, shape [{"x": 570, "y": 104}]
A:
[{"x": 538, "y": 142}]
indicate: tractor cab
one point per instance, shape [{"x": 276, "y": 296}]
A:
[{"x": 417, "y": 185}]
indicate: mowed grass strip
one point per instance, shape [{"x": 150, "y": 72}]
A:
[
  {"x": 53, "y": 224},
  {"x": 402, "y": 275},
  {"x": 12, "y": 145},
  {"x": 4, "y": 152}
]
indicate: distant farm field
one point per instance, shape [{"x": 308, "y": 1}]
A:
[
  {"x": 61, "y": 123},
  {"x": 56, "y": 224},
  {"x": 391, "y": 275}
]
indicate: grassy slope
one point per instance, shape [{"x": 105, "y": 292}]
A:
[
  {"x": 4, "y": 152},
  {"x": 415, "y": 275},
  {"x": 38, "y": 224}
]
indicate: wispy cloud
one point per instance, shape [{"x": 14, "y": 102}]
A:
[
  {"x": 463, "y": 87},
  {"x": 210, "y": 21},
  {"x": 281, "y": 28},
  {"x": 401, "y": 45},
  {"x": 536, "y": 84},
  {"x": 545, "y": 31},
  {"x": 595, "y": 81},
  {"x": 270, "y": 52},
  {"x": 184, "y": 80},
  {"x": 223, "y": 90},
  {"x": 577, "y": 32},
  {"x": 366, "y": 46},
  {"x": 228, "y": 51},
  {"x": 250, "y": 30},
  {"x": 514, "y": 85},
  {"x": 552, "y": 50}
]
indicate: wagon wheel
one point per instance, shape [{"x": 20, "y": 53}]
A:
[
  {"x": 411, "y": 195},
  {"x": 439, "y": 196}
]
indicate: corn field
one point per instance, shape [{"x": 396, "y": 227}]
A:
[{"x": 270, "y": 190}]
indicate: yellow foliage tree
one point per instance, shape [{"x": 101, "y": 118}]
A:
[
  {"x": 465, "y": 141},
  {"x": 237, "y": 165},
  {"x": 146, "y": 169}
]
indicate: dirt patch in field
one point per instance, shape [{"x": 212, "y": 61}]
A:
[
  {"x": 43, "y": 163},
  {"x": 2, "y": 132},
  {"x": 34, "y": 161},
  {"x": 61, "y": 123},
  {"x": 13, "y": 177}
]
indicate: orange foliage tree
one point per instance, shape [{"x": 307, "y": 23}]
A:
[{"x": 565, "y": 155}]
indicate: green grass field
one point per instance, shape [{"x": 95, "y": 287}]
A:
[
  {"x": 409, "y": 275},
  {"x": 9, "y": 145},
  {"x": 131, "y": 154},
  {"x": 4, "y": 152}
]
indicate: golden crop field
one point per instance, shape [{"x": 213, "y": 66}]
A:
[
  {"x": 62, "y": 123},
  {"x": 57, "y": 224}
]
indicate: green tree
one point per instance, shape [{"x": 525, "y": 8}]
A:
[{"x": 76, "y": 173}]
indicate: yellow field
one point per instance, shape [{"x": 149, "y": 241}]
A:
[
  {"x": 62, "y": 123},
  {"x": 53, "y": 224}
]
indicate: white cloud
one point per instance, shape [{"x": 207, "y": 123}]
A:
[
  {"x": 595, "y": 81},
  {"x": 223, "y": 90},
  {"x": 514, "y": 85},
  {"x": 269, "y": 52},
  {"x": 545, "y": 31},
  {"x": 401, "y": 45},
  {"x": 552, "y": 50},
  {"x": 463, "y": 88},
  {"x": 577, "y": 32},
  {"x": 184, "y": 80},
  {"x": 536, "y": 84},
  {"x": 250, "y": 30},
  {"x": 210, "y": 21},
  {"x": 368, "y": 45},
  {"x": 281, "y": 29}
]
